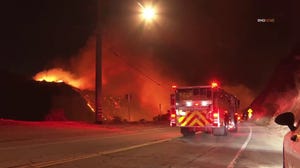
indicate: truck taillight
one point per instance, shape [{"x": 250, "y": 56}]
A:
[
  {"x": 215, "y": 119},
  {"x": 173, "y": 113},
  {"x": 172, "y": 117}
]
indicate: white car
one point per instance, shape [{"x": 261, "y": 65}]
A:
[{"x": 291, "y": 141}]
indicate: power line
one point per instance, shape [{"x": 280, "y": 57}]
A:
[{"x": 134, "y": 68}]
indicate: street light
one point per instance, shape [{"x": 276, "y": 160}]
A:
[{"x": 148, "y": 12}]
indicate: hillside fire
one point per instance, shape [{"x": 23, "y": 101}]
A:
[
  {"x": 58, "y": 75},
  {"x": 123, "y": 73}
]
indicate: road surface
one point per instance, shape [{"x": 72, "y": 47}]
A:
[{"x": 67, "y": 146}]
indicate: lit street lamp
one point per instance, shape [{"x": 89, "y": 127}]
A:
[{"x": 148, "y": 13}]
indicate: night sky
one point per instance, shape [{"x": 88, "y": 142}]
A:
[{"x": 197, "y": 40}]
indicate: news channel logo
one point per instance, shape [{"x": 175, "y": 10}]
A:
[{"x": 265, "y": 20}]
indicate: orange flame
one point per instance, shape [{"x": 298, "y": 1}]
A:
[{"x": 58, "y": 75}]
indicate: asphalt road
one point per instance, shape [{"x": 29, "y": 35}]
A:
[{"x": 137, "y": 146}]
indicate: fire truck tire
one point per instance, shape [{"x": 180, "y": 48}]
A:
[
  {"x": 173, "y": 125},
  {"x": 235, "y": 129},
  {"x": 220, "y": 131},
  {"x": 207, "y": 130},
  {"x": 186, "y": 131}
]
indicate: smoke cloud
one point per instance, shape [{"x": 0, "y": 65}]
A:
[
  {"x": 135, "y": 85},
  {"x": 243, "y": 93}
]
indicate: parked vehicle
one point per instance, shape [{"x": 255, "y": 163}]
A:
[{"x": 291, "y": 141}]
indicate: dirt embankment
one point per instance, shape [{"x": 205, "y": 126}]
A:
[
  {"x": 29, "y": 100},
  {"x": 282, "y": 92}
]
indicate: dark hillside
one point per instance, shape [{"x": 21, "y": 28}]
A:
[
  {"x": 29, "y": 100},
  {"x": 281, "y": 93}
]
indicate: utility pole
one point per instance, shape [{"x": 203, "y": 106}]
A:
[
  {"x": 98, "y": 83},
  {"x": 149, "y": 14},
  {"x": 128, "y": 96}
]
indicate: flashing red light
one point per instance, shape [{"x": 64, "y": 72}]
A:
[
  {"x": 215, "y": 119},
  {"x": 174, "y": 87},
  {"x": 214, "y": 84}
]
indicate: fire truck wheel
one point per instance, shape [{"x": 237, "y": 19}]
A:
[
  {"x": 220, "y": 131},
  {"x": 186, "y": 131},
  {"x": 235, "y": 129},
  {"x": 173, "y": 125}
]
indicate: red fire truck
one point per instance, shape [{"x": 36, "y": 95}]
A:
[{"x": 203, "y": 108}]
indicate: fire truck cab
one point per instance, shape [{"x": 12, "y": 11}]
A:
[{"x": 203, "y": 108}]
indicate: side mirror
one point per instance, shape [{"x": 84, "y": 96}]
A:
[{"x": 287, "y": 119}]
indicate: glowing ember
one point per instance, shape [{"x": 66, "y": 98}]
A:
[{"x": 91, "y": 107}]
